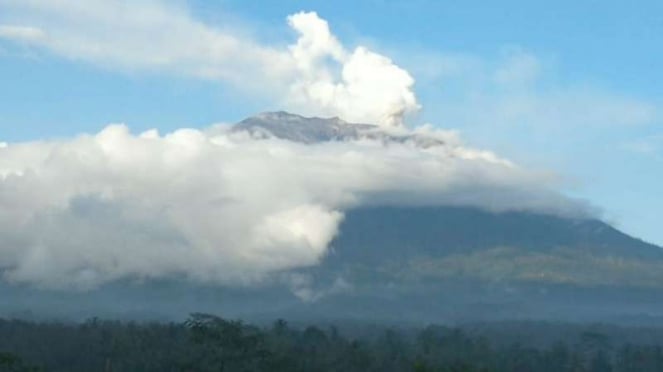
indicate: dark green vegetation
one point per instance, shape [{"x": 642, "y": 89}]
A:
[
  {"x": 412, "y": 264},
  {"x": 467, "y": 264},
  {"x": 209, "y": 343}
]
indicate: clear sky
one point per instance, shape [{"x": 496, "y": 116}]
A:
[{"x": 575, "y": 87}]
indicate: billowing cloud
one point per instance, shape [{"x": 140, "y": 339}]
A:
[
  {"x": 316, "y": 74},
  {"x": 222, "y": 206},
  {"x": 370, "y": 89}
]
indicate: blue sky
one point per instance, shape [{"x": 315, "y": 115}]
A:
[{"x": 568, "y": 86}]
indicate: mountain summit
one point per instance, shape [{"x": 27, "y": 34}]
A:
[{"x": 297, "y": 128}]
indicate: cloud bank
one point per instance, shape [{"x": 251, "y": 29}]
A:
[
  {"x": 216, "y": 205},
  {"x": 222, "y": 206},
  {"x": 315, "y": 75}
]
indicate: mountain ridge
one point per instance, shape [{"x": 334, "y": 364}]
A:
[{"x": 309, "y": 130}]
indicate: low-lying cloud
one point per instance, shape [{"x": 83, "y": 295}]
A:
[{"x": 221, "y": 206}]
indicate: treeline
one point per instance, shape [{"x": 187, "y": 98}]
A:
[{"x": 209, "y": 343}]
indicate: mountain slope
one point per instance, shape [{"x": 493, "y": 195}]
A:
[
  {"x": 407, "y": 264},
  {"x": 466, "y": 260},
  {"x": 450, "y": 264},
  {"x": 447, "y": 230},
  {"x": 448, "y": 243}
]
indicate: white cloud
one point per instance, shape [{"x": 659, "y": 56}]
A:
[
  {"x": 651, "y": 146},
  {"x": 370, "y": 89},
  {"x": 222, "y": 207},
  {"x": 519, "y": 68},
  {"x": 21, "y": 33},
  {"x": 316, "y": 74},
  {"x": 516, "y": 92},
  {"x": 568, "y": 109},
  {"x": 143, "y": 35}
]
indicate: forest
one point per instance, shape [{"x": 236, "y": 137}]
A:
[{"x": 210, "y": 343}]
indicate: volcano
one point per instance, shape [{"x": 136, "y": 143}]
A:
[{"x": 444, "y": 263}]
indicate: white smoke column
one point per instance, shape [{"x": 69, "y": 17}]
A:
[
  {"x": 370, "y": 88},
  {"x": 216, "y": 206}
]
